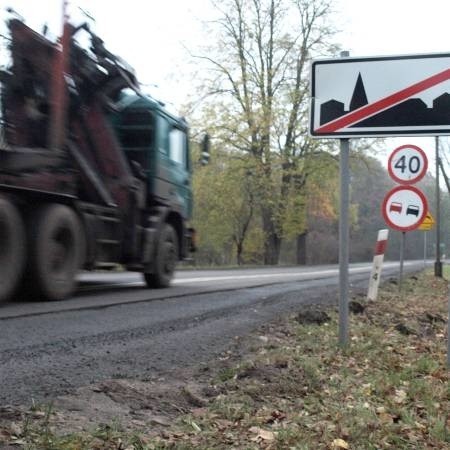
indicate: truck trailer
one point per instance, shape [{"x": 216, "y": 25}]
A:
[{"x": 93, "y": 174}]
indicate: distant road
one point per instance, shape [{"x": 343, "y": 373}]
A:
[{"x": 114, "y": 326}]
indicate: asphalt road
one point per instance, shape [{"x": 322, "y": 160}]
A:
[{"x": 114, "y": 328}]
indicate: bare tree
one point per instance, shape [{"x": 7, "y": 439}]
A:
[{"x": 258, "y": 96}]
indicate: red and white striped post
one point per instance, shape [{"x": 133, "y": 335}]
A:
[{"x": 378, "y": 258}]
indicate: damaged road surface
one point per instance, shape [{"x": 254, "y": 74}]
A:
[{"x": 51, "y": 349}]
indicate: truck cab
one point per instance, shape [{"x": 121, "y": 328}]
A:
[{"x": 156, "y": 143}]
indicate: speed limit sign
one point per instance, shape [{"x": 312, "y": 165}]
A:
[{"x": 407, "y": 164}]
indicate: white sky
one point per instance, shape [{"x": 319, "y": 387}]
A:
[
  {"x": 396, "y": 27},
  {"x": 390, "y": 27},
  {"x": 152, "y": 35}
]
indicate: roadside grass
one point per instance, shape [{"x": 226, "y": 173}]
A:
[{"x": 388, "y": 389}]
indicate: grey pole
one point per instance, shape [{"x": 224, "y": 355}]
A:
[
  {"x": 344, "y": 178},
  {"x": 402, "y": 259},
  {"x": 424, "y": 249},
  {"x": 438, "y": 263},
  {"x": 448, "y": 334},
  {"x": 344, "y": 174}
]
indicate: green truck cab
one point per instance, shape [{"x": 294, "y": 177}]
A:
[{"x": 158, "y": 142}]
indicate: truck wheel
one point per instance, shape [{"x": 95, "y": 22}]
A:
[
  {"x": 12, "y": 248},
  {"x": 165, "y": 260},
  {"x": 55, "y": 254}
]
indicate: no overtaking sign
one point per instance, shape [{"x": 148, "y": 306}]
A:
[{"x": 404, "y": 208}]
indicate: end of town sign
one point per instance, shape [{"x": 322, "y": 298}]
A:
[{"x": 382, "y": 96}]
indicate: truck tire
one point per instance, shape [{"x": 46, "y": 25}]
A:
[
  {"x": 56, "y": 248},
  {"x": 12, "y": 248},
  {"x": 165, "y": 259}
]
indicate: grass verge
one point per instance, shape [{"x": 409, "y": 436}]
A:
[{"x": 296, "y": 389}]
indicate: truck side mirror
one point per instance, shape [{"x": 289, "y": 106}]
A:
[{"x": 205, "y": 147}]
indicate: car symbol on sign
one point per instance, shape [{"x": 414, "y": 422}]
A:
[
  {"x": 395, "y": 207},
  {"x": 412, "y": 210}
]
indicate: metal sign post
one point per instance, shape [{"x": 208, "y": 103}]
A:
[
  {"x": 427, "y": 224},
  {"x": 438, "y": 262},
  {"x": 448, "y": 335},
  {"x": 424, "y": 249},
  {"x": 344, "y": 173},
  {"x": 402, "y": 259}
]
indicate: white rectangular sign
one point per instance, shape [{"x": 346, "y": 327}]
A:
[{"x": 382, "y": 96}]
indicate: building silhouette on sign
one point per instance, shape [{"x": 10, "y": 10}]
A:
[{"x": 411, "y": 112}]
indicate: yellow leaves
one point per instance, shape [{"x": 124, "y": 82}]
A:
[
  {"x": 400, "y": 396},
  {"x": 367, "y": 389},
  {"x": 384, "y": 417},
  {"x": 340, "y": 444},
  {"x": 420, "y": 426}
]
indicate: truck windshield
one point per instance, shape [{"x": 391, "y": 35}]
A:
[{"x": 136, "y": 132}]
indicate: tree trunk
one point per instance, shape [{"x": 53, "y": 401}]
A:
[
  {"x": 239, "y": 248},
  {"x": 272, "y": 242},
  {"x": 301, "y": 249}
]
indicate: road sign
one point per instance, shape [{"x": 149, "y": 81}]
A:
[
  {"x": 384, "y": 96},
  {"x": 407, "y": 164},
  {"x": 404, "y": 208},
  {"x": 428, "y": 223}
]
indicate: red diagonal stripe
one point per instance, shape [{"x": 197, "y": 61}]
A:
[{"x": 384, "y": 103}]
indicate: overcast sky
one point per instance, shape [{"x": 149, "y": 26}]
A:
[
  {"x": 389, "y": 27},
  {"x": 152, "y": 35}
]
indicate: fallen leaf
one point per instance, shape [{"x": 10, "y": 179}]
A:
[
  {"x": 400, "y": 396},
  {"x": 420, "y": 426},
  {"x": 223, "y": 424},
  {"x": 4, "y": 435},
  {"x": 385, "y": 418},
  {"x": 264, "y": 435},
  {"x": 199, "y": 412},
  {"x": 340, "y": 443}
]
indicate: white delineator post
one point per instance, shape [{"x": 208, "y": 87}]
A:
[{"x": 378, "y": 258}]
